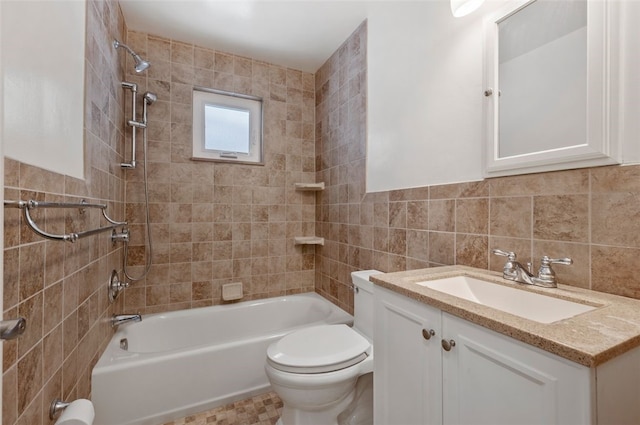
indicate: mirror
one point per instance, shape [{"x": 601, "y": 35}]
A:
[{"x": 546, "y": 95}]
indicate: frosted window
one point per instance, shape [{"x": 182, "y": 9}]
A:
[
  {"x": 226, "y": 129},
  {"x": 226, "y": 126}
]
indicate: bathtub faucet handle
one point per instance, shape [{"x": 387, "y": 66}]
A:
[{"x": 116, "y": 286}]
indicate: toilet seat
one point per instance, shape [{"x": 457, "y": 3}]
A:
[{"x": 318, "y": 349}]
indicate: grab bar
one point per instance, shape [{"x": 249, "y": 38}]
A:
[{"x": 25, "y": 206}]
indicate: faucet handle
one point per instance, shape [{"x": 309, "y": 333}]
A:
[
  {"x": 509, "y": 268},
  {"x": 546, "y": 261},
  {"x": 511, "y": 256},
  {"x": 546, "y": 273}
]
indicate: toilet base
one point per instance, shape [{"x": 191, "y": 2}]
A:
[
  {"x": 360, "y": 411},
  {"x": 355, "y": 409}
]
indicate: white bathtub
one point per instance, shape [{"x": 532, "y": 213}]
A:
[{"x": 190, "y": 361}]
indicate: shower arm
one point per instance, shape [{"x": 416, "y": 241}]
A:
[{"x": 117, "y": 44}]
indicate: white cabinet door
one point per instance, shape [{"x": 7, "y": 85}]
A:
[
  {"x": 408, "y": 376},
  {"x": 491, "y": 379}
]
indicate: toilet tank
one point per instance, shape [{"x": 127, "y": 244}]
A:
[{"x": 363, "y": 301}]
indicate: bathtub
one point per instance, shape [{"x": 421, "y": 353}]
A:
[{"x": 188, "y": 361}]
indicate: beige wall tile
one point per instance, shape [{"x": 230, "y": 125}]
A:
[
  {"x": 614, "y": 218},
  {"x": 610, "y": 271},
  {"x": 510, "y": 217},
  {"x": 441, "y": 215},
  {"x": 561, "y": 217},
  {"x": 472, "y": 250},
  {"x": 553, "y": 183},
  {"x": 441, "y": 248},
  {"x": 615, "y": 179},
  {"x": 460, "y": 190},
  {"x": 472, "y": 216},
  {"x": 418, "y": 215}
]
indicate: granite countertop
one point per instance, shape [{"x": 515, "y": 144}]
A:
[{"x": 590, "y": 338}]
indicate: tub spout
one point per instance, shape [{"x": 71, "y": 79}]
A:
[{"x": 119, "y": 319}]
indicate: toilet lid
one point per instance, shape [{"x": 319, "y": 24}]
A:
[{"x": 318, "y": 349}]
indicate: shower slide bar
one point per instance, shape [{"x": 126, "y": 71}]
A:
[
  {"x": 133, "y": 124},
  {"x": 26, "y": 206}
]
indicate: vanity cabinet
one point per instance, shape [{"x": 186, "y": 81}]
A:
[
  {"x": 491, "y": 379},
  {"x": 407, "y": 368},
  {"x": 485, "y": 377}
]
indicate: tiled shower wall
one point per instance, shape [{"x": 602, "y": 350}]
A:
[
  {"x": 215, "y": 223},
  {"x": 591, "y": 215},
  {"x": 60, "y": 287}
]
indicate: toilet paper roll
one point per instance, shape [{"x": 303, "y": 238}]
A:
[{"x": 79, "y": 412}]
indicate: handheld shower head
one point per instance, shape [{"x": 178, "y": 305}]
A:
[
  {"x": 150, "y": 98},
  {"x": 140, "y": 64}
]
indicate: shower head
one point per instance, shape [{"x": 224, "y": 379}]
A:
[
  {"x": 140, "y": 64},
  {"x": 150, "y": 98}
]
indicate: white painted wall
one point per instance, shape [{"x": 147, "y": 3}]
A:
[
  {"x": 425, "y": 71},
  {"x": 43, "y": 85}
]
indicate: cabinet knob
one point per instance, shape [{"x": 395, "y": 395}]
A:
[
  {"x": 427, "y": 334},
  {"x": 448, "y": 345}
]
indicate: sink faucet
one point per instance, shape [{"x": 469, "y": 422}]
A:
[
  {"x": 516, "y": 272},
  {"x": 119, "y": 319}
]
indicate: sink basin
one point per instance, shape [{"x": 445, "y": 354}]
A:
[{"x": 529, "y": 305}]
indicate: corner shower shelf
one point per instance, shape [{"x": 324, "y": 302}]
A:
[
  {"x": 308, "y": 240},
  {"x": 310, "y": 186}
]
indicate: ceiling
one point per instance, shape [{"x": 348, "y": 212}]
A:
[{"x": 300, "y": 34}]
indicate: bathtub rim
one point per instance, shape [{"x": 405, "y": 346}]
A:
[{"x": 120, "y": 359}]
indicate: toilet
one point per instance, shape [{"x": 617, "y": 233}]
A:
[{"x": 324, "y": 374}]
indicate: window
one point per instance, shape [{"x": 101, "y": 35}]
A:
[{"x": 226, "y": 126}]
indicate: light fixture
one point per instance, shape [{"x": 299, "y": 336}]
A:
[{"x": 464, "y": 7}]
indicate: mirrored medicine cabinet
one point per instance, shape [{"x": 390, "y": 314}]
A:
[{"x": 549, "y": 76}]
